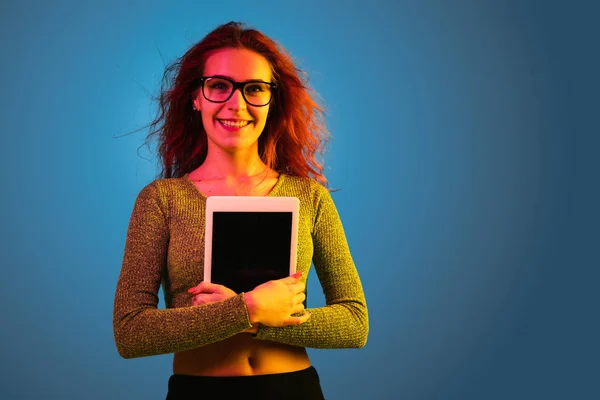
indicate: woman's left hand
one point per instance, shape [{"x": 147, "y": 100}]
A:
[{"x": 206, "y": 292}]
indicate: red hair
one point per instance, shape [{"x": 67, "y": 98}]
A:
[{"x": 293, "y": 137}]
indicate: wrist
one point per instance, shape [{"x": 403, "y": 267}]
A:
[
  {"x": 253, "y": 330},
  {"x": 251, "y": 307}
]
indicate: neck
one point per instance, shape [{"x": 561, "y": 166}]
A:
[{"x": 235, "y": 165}]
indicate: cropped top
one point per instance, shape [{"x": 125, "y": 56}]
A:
[{"x": 165, "y": 245}]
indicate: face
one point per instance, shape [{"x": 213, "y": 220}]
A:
[{"x": 234, "y": 125}]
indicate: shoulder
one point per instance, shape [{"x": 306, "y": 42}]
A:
[
  {"x": 304, "y": 187},
  {"x": 166, "y": 190},
  {"x": 168, "y": 186},
  {"x": 314, "y": 197}
]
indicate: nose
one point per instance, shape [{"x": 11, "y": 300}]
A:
[{"x": 237, "y": 101}]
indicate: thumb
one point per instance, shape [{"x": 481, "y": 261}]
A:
[
  {"x": 292, "y": 278},
  {"x": 204, "y": 287}
]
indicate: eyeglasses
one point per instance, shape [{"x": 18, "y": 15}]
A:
[{"x": 218, "y": 89}]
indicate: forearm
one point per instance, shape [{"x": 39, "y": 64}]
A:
[
  {"x": 151, "y": 331},
  {"x": 335, "y": 326}
]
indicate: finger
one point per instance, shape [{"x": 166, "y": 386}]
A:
[
  {"x": 201, "y": 299},
  {"x": 204, "y": 287},
  {"x": 205, "y": 298},
  {"x": 196, "y": 289},
  {"x": 297, "y": 320},
  {"x": 297, "y": 288},
  {"x": 298, "y": 308},
  {"x": 197, "y": 300},
  {"x": 292, "y": 278},
  {"x": 193, "y": 289},
  {"x": 299, "y": 298}
]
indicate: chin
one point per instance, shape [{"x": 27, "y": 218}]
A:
[{"x": 232, "y": 145}]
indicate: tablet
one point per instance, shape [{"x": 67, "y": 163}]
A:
[{"x": 250, "y": 240}]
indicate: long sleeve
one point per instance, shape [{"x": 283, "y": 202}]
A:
[
  {"x": 140, "y": 328},
  {"x": 343, "y": 322}
]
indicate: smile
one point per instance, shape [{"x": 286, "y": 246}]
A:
[{"x": 233, "y": 124}]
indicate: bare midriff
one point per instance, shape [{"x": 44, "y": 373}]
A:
[{"x": 241, "y": 355}]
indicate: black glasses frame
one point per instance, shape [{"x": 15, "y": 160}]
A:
[{"x": 237, "y": 85}]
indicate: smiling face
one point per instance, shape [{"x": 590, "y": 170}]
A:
[{"x": 234, "y": 125}]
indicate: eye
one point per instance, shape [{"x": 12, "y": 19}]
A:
[
  {"x": 216, "y": 85},
  {"x": 255, "y": 87},
  {"x": 219, "y": 85}
]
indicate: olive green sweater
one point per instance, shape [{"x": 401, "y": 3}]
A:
[{"x": 165, "y": 244}]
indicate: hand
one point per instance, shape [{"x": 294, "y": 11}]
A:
[
  {"x": 274, "y": 302},
  {"x": 253, "y": 329},
  {"x": 207, "y": 292}
]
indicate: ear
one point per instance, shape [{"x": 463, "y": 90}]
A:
[{"x": 196, "y": 103}]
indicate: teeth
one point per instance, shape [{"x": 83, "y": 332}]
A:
[{"x": 234, "y": 124}]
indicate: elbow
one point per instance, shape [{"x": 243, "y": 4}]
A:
[
  {"x": 129, "y": 340},
  {"x": 355, "y": 340},
  {"x": 362, "y": 328},
  {"x": 127, "y": 345},
  {"x": 361, "y": 337},
  {"x": 362, "y": 342},
  {"x": 358, "y": 335},
  {"x": 360, "y": 332},
  {"x": 125, "y": 351},
  {"x": 129, "y": 351},
  {"x": 123, "y": 348}
]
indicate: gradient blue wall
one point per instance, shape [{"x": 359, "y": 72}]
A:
[{"x": 464, "y": 144}]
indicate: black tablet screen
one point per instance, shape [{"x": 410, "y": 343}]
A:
[{"x": 250, "y": 248}]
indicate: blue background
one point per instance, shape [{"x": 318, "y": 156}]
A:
[{"x": 465, "y": 141}]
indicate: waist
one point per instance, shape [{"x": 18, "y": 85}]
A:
[
  {"x": 240, "y": 355},
  {"x": 302, "y": 384}
]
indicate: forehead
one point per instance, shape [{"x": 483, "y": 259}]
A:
[{"x": 238, "y": 64}]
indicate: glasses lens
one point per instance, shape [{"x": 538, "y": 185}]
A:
[
  {"x": 216, "y": 89},
  {"x": 257, "y": 93}
]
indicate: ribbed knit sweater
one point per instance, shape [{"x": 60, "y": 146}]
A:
[{"x": 165, "y": 245}]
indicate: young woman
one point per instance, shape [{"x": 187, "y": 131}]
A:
[{"x": 236, "y": 119}]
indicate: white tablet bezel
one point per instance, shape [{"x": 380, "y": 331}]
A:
[{"x": 249, "y": 203}]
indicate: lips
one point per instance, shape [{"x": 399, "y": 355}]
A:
[{"x": 232, "y": 123}]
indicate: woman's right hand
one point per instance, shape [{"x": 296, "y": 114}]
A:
[{"x": 273, "y": 303}]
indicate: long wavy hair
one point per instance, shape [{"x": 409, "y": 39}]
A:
[{"x": 294, "y": 138}]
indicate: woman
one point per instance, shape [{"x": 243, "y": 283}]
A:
[{"x": 236, "y": 119}]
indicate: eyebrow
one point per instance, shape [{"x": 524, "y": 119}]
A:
[{"x": 231, "y": 79}]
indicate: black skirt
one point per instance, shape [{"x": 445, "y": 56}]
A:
[{"x": 297, "y": 385}]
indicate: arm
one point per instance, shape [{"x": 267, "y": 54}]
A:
[
  {"x": 343, "y": 322},
  {"x": 140, "y": 328}
]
